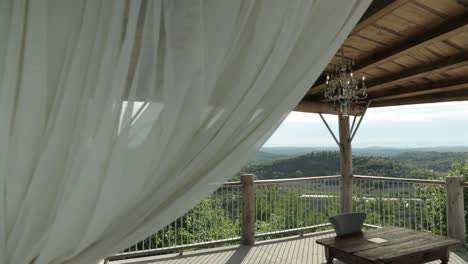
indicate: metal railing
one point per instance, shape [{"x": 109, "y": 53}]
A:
[
  {"x": 299, "y": 205},
  {"x": 295, "y": 205},
  {"x": 410, "y": 203},
  {"x": 282, "y": 206},
  {"x": 215, "y": 220}
]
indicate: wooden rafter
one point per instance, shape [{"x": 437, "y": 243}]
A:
[
  {"x": 425, "y": 99},
  {"x": 417, "y": 90},
  {"x": 411, "y": 51},
  {"x": 325, "y": 108},
  {"x": 442, "y": 32},
  {"x": 376, "y": 11},
  {"x": 418, "y": 72}
]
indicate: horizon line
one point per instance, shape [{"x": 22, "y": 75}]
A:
[{"x": 393, "y": 147}]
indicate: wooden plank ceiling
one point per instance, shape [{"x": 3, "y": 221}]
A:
[{"x": 411, "y": 52}]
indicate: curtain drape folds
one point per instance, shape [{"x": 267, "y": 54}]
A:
[{"x": 118, "y": 116}]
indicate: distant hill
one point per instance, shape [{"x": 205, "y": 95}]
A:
[
  {"x": 407, "y": 165},
  {"x": 263, "y": 156},
  {"x": 384, "y": 151},
  {"x": 370, "y": 151},
  {"x": 436, "y": 161},
  {"x": 295, "y": 151}
]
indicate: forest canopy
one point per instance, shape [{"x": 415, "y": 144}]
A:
[{"x": 420, "y": 165}]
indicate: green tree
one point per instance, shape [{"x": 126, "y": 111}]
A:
[
  {"x": 435, "y": 206},
  {"x": 208, "y": 221}
]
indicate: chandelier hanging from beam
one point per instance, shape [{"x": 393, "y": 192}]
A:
[{"x": 341, "y": 86}]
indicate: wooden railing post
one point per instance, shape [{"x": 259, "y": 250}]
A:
[
  {"x": 248, "y": 214},
  {"x": 455, "y": 209}
]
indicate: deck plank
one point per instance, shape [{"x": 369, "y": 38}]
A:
[{"x": 290, "y": 250}]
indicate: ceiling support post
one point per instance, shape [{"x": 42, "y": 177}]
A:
[
  {"x": 346, "y": 135},
  {"x": 346, "y": 164}
]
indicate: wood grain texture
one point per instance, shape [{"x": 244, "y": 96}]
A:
[
  {"x": 346, "y": 165},
  {"x": 452, "y": 96},
  {"x": 288, "y": 250},
  {"x": 326, "y": 108},
  {"x": 405, "y": 43},
  {"x": 378, "y": 14},
  {"x": 402, "y": 246},
  {"x": 248, "y": 213},
  {"x": 455, "y": 209},
  {"x": 441, "y": 66},
  {"x": 417, "y": 90}
]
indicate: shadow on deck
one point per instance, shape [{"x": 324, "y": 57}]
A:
[{"x": 296, "y": 249}]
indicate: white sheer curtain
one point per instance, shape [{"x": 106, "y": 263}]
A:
[{"x": 78, "y": 180}]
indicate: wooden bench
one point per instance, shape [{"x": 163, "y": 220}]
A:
[{"x": 397, "y": 246}]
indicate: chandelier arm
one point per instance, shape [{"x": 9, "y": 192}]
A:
[
  {"x": 329, "y": 130},
  {"x": 362, "y": 98},
  {"x": 359, "y": 123}
]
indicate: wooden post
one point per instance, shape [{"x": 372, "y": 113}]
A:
[
  {"x": 248, "y": 219},
  {"x": 346, "y": 163},
  {"x": 455, "y": 209}
]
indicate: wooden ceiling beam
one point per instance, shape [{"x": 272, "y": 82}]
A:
[
  {"x": 418, "y": 72},
  {"x": 417, "y": 90},
  {"x": 445, "y": 31},
  {"x": 461, "y": 95},
  {"x": 326, "y": 108},
  {"x": 380, "y": 87},
  {"x": 376, "y": 11}
]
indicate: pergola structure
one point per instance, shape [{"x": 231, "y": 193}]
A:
[{"x": 411, "y": 52}]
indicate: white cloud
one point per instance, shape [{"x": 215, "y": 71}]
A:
[
  {"x": 419, "y": 113},
  {"x": 300, "y": 117},
  {"x": 396, "y": 114},
  {"x": 413, "y": 125}
]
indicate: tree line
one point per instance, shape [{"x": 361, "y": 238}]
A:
[{"x": 328, "y": 163}]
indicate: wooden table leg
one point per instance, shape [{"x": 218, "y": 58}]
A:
[
  {"x": 445, "y": 260},
  {"x": 328, "y": 255}
]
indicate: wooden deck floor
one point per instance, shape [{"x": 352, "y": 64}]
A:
[{"x": 297, "y": 250}]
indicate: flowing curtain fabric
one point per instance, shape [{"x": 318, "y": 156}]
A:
[{"x": 118, "y": 116}]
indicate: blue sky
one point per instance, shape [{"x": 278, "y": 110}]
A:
[{"x": 427, "y": 125}]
